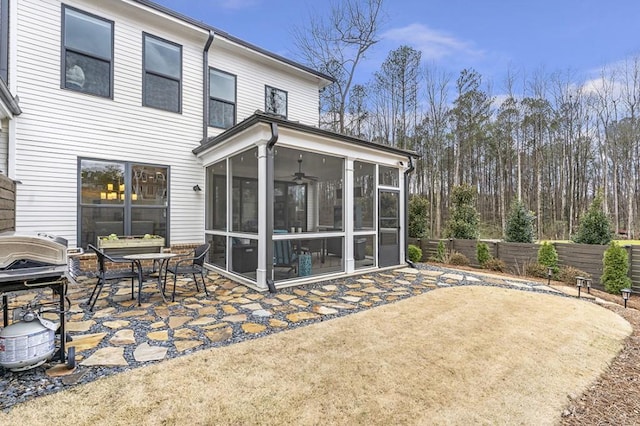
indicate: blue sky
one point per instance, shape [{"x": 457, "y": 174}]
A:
[{"x": 491, "y": 36}]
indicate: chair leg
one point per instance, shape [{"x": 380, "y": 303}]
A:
[
  {"x": 196, "y": 281},
  {"x": 96, "y": 291},
  {"x": 204, "y": 284}
]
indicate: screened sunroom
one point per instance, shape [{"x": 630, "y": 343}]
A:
[{"x": 287, "y": 203}]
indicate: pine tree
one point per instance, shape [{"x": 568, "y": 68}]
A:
[
  {"x": 519, "y": 227},
  {"x": 465, "y": 219},
  {"x": 616, "y": 268},
  {"x": 548, "y": 256},
  {"x": 595, "y": 226}
]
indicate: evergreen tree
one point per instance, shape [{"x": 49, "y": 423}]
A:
[
  {"x": 418, "y": 216},
  {"x": 548, "y": 256},
  {"x": 616, "y": 268},
  {"x": 595, "y": 227},
  {"x": 519, "y": 224},
  {"x": 464, "y": 220}
]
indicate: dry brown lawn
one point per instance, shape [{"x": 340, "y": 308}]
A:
[{"x": 460, "y": 355}]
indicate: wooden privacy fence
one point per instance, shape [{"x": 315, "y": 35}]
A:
[
  {"x": 7, "y": 204},
  {"x": 516, "y": 256}
]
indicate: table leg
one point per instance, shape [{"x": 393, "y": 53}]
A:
[
  {"x": 139, "y": 265},
  {"x": 163, "y": 265}
]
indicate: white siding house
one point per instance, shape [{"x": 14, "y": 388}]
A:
[{"x": 115, "y": 112}]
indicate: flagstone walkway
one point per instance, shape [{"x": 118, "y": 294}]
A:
[{"x": 120, "y": 335}]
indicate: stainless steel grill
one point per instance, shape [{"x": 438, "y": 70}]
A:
[{"x": 34, "y": 262}]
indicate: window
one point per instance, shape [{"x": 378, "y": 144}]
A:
[
  {"x": 364, "y": 180},
  {"x": 4, "y": 40},
  {"x": 275, "y": 101},
  {"x": 87, "y": 53},
  {"x": 388, "y": 176},
  {"x": 216, "y": 206},
  {"x": 244, "y": 195},
  {"x": 162, "y": 74},
  {"x": 121, "y": 198},
  {"x": 222, "y": 99}
]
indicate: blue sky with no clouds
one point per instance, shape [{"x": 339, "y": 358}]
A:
[{"x": 578, "y": 37}]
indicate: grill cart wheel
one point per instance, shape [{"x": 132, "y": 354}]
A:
[{"x": 71, "y": 358}]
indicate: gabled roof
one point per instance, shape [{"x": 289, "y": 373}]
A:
[
  {"x": 262, "y": 117},
  {"x": 233, "y": 39}
]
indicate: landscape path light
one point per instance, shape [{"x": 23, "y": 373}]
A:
[
  {"x": 549, "y": 275},
  {"x": 626, "y": 293},
  {"x": 579, "y": 281}
]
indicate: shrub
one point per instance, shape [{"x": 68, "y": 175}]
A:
[
  {"x": 535, "y": 269},
  {"x": 414, "y": 253},
  {"x": 595, "y": 226},
  {"x": 568, "y": 275},
  {"x": 494, "y": 264},
  {"x": 418, "y": 216},
  {"x": 458, "y": 259},
  {"x": 548, "y": 257},
  {"x": 464, "y": 219},
  {"x": 441, "y": 253},
  {"x": 519, "y": 227},
  {"x": 482, "y": 253},
  {"x": 616, "y": 267}
]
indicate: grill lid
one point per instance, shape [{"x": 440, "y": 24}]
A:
[{"x": 17, "y": 250}]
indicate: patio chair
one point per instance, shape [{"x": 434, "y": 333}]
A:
[
  {"x": 191, "y": 265},
  {"x": 105, "y": 275},
  {"x": 284, "y": 256}
]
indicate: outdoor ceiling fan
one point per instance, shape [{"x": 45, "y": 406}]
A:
[{"x": 300, "y": 177}]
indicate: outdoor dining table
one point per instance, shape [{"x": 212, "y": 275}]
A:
[{"x": 161, "y": 258}]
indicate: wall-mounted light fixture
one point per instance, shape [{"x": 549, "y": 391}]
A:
[{"x": 197, "y": 188}]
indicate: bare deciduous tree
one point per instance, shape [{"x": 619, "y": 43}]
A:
[{"x": 335, "y": 46}]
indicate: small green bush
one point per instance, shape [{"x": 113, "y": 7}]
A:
[
  {"x": 482, "y": 253},
  {"x": 616, "y": 268},
  {"x": 458, "y": 259},
  {"x": 548, "y": 256},
  {"x": 494, "y": 264},
  {"x": 414, "y": 253},
  {"x": 441, "y": 252},
  {"x": 568, "y": 274}
]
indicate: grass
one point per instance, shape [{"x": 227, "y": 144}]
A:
[{"x": 460, "y": 355}]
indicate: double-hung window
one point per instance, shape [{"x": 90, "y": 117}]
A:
[
  {"x": 162, "y": 74},
  {"x": 222, "y": 99},
  {"x": 275, "y": 101},
  {"x": 87, "y": 53}
]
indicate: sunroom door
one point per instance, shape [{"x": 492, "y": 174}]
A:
[{"x": 388, "y": 228}]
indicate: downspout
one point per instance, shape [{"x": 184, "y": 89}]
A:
[
  {"x": 269, "y": 208},
  {"x": 205, "y": 92},
  {"x": 406, "y": 211}
]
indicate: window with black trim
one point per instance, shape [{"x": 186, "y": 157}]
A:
[
  {"x": 87, "y": 53},
  {"x": 275, "y": 101},
  {"x": 162, "y": 74},
  {"x": 222, "y": 99},
  {"x": 4, "y": 40},
  {"x": 122, "y": 198}
]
